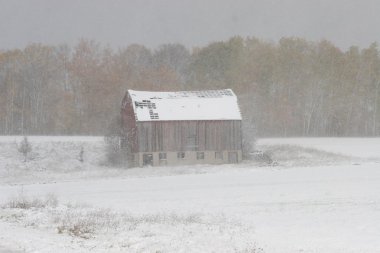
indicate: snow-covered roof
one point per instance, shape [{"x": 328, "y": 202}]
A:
[{"x": 185, "y": 105}]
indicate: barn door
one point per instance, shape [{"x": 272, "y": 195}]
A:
[
  {"x": 147, "y": 159},
  {"x": 191, "y": 142},
  {"x": 232, "y": 157}
]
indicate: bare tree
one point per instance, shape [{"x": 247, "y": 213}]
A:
[
  {"x": 118, "y": 148},
  {"x": 248, "y": 139},
  {"x": 25, "y": 147}
]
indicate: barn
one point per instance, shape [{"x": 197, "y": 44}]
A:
[{"x": 182, "y": 128}]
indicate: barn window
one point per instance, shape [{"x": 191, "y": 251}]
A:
[
  {"x": 162, "y": 156},
  {"x": 181, "y": 155},
  {"x": 162, "y": 159},
  {"x": 147, "y": 159},
  {"x": 200, "y": 155},
  {"x": 219, "y": 155}
]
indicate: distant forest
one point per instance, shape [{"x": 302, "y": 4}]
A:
[{"x": 292, "y": 87}]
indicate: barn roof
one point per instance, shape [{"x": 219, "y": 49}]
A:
[{"x": 185, "y": 105}]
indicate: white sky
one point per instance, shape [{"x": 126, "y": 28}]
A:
[{"x": 119, "y": 23}]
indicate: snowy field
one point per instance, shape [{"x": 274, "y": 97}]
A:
[{"x": 324, "y": 196}]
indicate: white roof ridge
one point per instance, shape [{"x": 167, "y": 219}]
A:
[
  {"x": 183, "y": 94},
  {"x": 185, "y": 105}
]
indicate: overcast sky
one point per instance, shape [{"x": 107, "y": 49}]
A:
[{"x": 119, "y": 23}]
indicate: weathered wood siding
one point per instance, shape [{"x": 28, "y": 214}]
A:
[
  {"x": 156, "y": 136},
  {"x": 128, "y": 124}
]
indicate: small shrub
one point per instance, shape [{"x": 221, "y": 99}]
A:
[
  {"x": 25, "y": 147},
  {"x": 81, "y": 155},
  {"x": 81, "y": 230},
  {"x": 262, "y": 157}
]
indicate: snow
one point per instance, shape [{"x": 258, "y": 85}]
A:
[
  {"x": 303, "y": 206},
  {"x": 185, "y": 105}
]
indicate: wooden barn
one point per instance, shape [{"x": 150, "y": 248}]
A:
[{"x": 181, "y": 128}]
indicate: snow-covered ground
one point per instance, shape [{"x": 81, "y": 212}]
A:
[{"x": 314, "y": 201}]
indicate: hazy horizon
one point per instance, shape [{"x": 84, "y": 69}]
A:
[{"x": 192, "y": 23}]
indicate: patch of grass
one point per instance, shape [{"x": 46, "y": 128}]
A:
[
  {"x": 147, "y": 231},
  {"x": 86, "y": 222},
  {"x": 22, "y": 201}
]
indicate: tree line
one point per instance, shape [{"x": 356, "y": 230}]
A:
[{"x": 292, "y": 87}]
